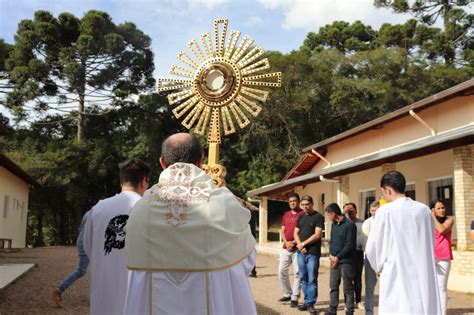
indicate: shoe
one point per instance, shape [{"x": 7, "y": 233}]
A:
[
  {"x": 302, "y": 307},
  {"x": 330, "y": 312},
  {"x": 311, "y": 309},
  {"x": 293, "y": 304},
  {"x": 284, "y": 299},
  {"x": 56, "y": 296},
  {"x": 361, "y": 306},
  {"x": 253, "y": 275}
]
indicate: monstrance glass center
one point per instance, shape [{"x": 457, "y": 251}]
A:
[{"x": 215, "y": 80}]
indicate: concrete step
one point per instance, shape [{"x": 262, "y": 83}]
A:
[{"x": 11, "y": 272}]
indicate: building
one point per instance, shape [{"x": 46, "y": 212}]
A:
[
  {"x": 14, "y": 190},
  {"x": 431, "y": 142}
]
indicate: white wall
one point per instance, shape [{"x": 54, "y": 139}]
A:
[
  {"x": 14, "y": 224},
  {"x": 418, "y": 171}
]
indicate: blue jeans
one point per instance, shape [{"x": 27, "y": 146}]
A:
[
  {"x": 308, "y": 268},
  {"x": 76, "y": 274}
]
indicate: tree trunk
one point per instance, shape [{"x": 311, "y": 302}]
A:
[
  {"x": 81, "y": 118},
  {"x": 445, "y": 12},
  {"x": 63, "y": 227},
  {"x": 448, "y": 30},
  {"x": 39, "y": 227}
]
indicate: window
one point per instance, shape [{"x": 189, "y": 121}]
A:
[
  {"x": 442, "y": 189},
  {"x": 410, "y": 191},
  {"x": 321, "y": 203},
  {"x": 5, "y": 206},
  {"x": 366, "y": 198}
]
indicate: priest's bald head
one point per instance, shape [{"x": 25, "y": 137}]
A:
[{"x": 181, "y": 147}]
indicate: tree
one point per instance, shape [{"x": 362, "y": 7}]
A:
[
  {"x": 68, "y": 65},
  {"x": 342, "y": 36},
  {"x": 74, "y": 176},
  {"x": 343, "y": 76},
  {"x": 5, "y": 84},
  {"x": 340, "y": 78},
  {"x": 456, "y": 40},
  {"x": 426, "y": 11}
]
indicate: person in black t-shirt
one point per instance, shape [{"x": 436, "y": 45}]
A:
[{"x": 308, "y": 232}]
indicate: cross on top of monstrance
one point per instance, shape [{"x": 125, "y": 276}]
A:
[{"x": 221, "y": 86}]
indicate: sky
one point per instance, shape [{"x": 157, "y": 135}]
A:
[{"x": 280, "y": 25}]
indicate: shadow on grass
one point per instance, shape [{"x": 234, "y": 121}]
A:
[
  {"x": 342, "y": 302},
  {"x": 266, "y": 276}
]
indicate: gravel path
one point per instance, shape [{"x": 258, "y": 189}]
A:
[{"x": 31, "y": 293}]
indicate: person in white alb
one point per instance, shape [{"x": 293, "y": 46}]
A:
[
  {"x": 400, "y": 247},
  {"x": 189, "y": 246},
  {"x": 104, "y": 240}
]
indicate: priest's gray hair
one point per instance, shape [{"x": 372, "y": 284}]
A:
[{"x": 181, "y": 147}]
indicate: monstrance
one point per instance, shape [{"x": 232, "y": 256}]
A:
[{"x": 219, "y": 86}]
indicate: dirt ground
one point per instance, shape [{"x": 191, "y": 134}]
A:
[{"x": 31, "y": 293}]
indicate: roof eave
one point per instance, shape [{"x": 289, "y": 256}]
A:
[
  {"x": 466, "y": 134},
  {"x": 404, "y": 111},
  {"x": 17, "y": 171}
]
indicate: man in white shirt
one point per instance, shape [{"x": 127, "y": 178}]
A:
[
  {"x": 400, "y": 247},
  {"x": 104, "y": 240},
  {"x": 189, "y": 247}
]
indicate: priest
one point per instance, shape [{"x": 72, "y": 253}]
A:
[
  {"x": 400, "y": 247},
  {"x": 189, "y": 247}
]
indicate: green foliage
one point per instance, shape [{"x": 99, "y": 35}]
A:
[
  {"x": 342, "y": 36},
  {"x": 426, "y": 11},
  {"x": 5, "y": 85},
  {"x": 74, "y": 176},
  {"x": 341, "y": 77},
  {"x": 455, "y": 43},
  {"x": 70, "y": 65}
]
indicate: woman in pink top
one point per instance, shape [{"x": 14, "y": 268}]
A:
[{"x": 442, "y": 248}]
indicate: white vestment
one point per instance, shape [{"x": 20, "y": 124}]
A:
[
  {"x": 104, "y": 245},
  {"x": 366, "y": 228},
  {"x": 175, "y": 293},
  {"x": 194, "y": 241},
  {"x": 401, "y": 248}
]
